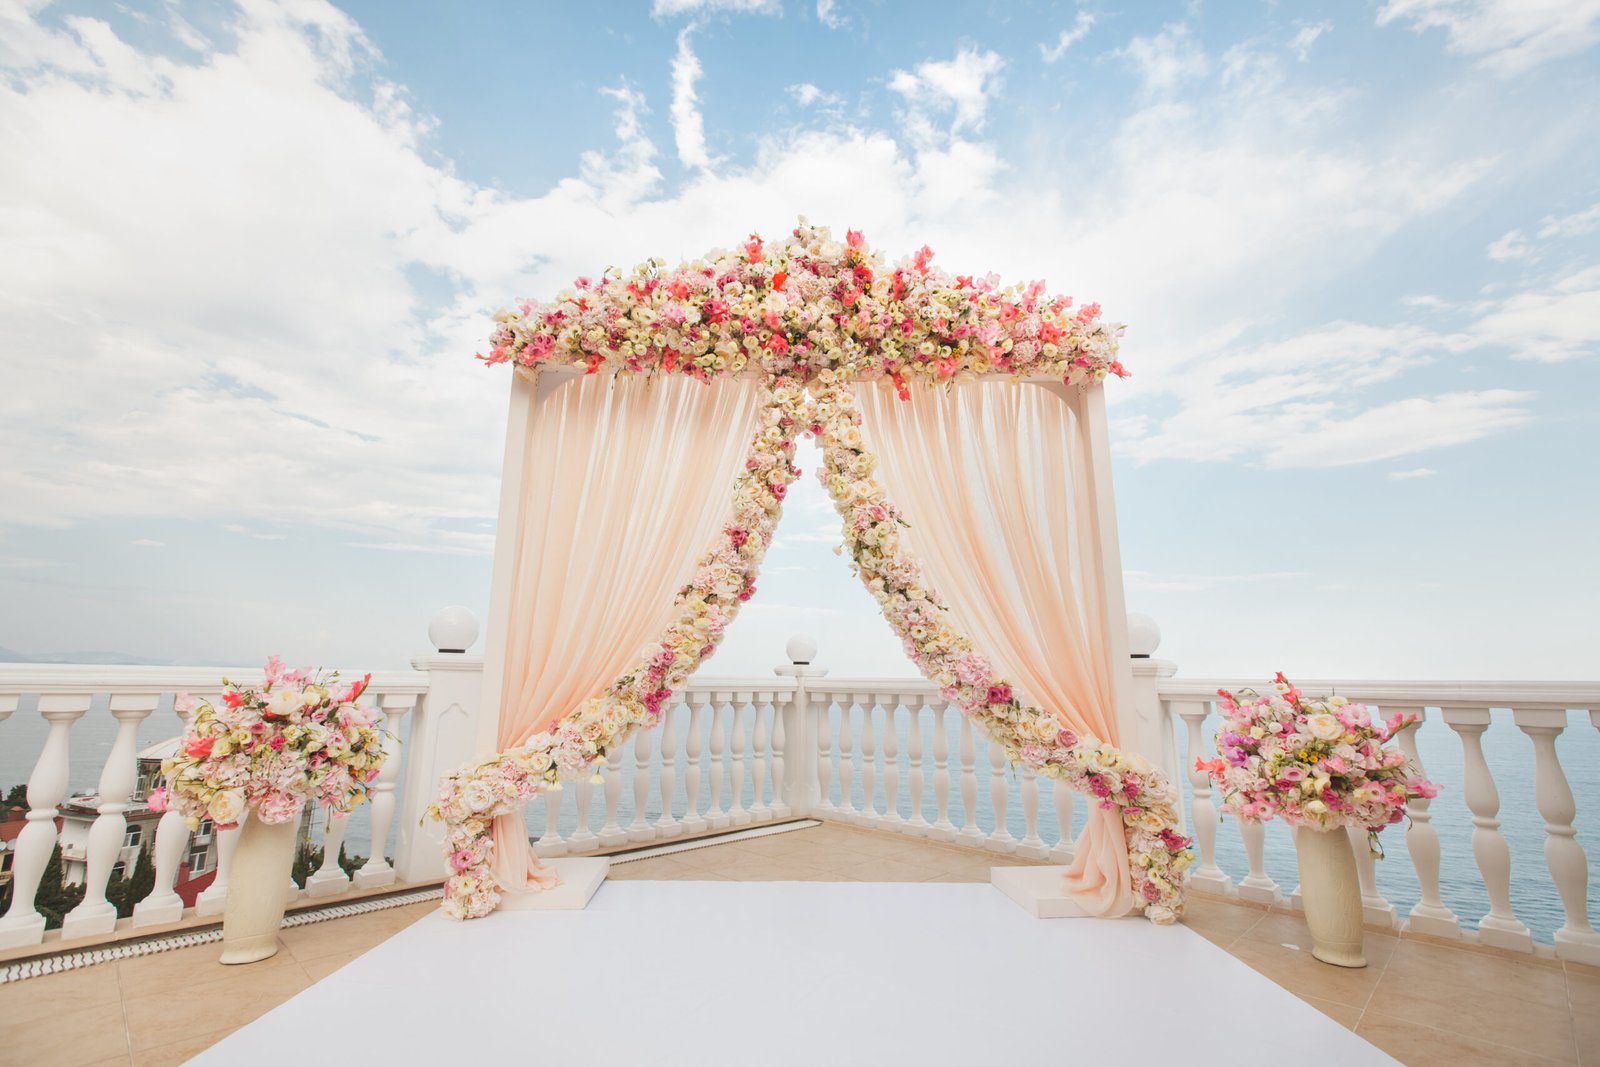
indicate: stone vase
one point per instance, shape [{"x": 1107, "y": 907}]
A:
[
  {"x": 258, "y": 890},
  {"x": 1331, "y": 895}
]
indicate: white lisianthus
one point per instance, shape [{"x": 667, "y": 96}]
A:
[
  {"x": 226, "y": 806},
  {"x": 1324, "y": 727}
]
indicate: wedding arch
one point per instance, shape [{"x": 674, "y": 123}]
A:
[{"x": 708, "y": 372}]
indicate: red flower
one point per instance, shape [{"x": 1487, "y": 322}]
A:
[
  {"x": 752, "y": 248},
  {"x": 853, "y": 238},
  {"x": 779, "y": 279},
  {"x": 232, "y": 699},
  {"x": 199, "y": 747}
]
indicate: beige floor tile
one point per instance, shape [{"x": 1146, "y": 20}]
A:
[
  {"x": 60, "y": 994},
  {"x": 321, "y": 966},
  {"x": 1482, "y": 999},
  {"x": 178, "y": 1051},
  {"x": 1275, "y": 928},
  {"x": 183, "y": 970},
  {"x": 1346, "y": 1015},
  {"x": 657, "y": 869},
  {"x": 1218, "y": 922},
  {"x": 337, "y": 936},
  {"x": 158, "y": 1020},
  {"x": 1426, "y": 1046},
  {"x": 89, "y": 1035},
  {"x": 1298, "y": 972}
]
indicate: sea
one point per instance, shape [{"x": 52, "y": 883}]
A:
[{"x": 1509, "y": 753}]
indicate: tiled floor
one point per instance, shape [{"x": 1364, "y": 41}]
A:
[{"x": 1423, "y": 1002}]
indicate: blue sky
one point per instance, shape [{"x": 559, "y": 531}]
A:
[{"x": 251, "y": 248}]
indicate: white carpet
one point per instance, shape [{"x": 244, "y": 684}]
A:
[{"x": 804, "y": 973}]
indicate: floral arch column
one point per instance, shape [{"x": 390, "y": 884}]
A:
[{"x": 806, "y": 319}]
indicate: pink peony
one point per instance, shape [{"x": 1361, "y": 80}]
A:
[{"x": 158, "y": 800}]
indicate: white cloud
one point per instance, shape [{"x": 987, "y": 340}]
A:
[
  {"x": 961, "y": 86},
  {"x": 1414, "y": 473},
  {"x": 145, "y": 542},
  {"x": 1550, "y": 323},
  {"x": 688, "y": 128},
  {"x": 1142, "y": 581},
  {"x": 1167, "y": 59},
  {"x": 1078, "y": 31},
  {"x": 245, "y": 531},
  {"x": 1507, "y": 37},
  {"x": 828, "y": 14},
  {"x": 1319, "y": 436},
  {"x": 630, "y": 173},
  {"x": 671, "y": 8},
  {"x": 1300, "y": 44},
  {"x": 806, "y": 95},
  {"x": 1576, "y": 224},
  {"x": 1510, "y": 246}
]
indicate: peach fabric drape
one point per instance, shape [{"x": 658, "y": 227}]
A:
[
  {"x": 992, "y": 477},
  {"x": 626, "y": 482}
]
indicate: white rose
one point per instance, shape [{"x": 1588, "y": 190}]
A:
[
  {"x": 284, "y": 703},
  {"x": 477, "y": 795},
  {"x": 1324, "y": 727},
  {"x": 226, "y": 806}
]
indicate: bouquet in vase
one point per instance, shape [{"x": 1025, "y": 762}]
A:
[
  {"x": 1320, "y": 762},
  {"x": 298, "y": 737}
]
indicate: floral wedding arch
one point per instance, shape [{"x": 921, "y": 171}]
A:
[{"x": 794, "y": 329}]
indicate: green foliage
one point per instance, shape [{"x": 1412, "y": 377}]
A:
[
  {"x": 124, "y": 893},
  {"x": 17, "y": 796},
  {"x": 308, "y": 859}
]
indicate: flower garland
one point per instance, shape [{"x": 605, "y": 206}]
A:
[
  {"x": 808, "y": 304},
  {"x": 1313, "y": 761},
  {"x": 724, "y": 578},
  {"x": 1157, "y": 852},
  {"x": 270, "y": 750}
]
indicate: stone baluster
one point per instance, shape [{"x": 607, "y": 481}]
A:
[
  {"x": 1257, "y": 886},
  {"x": 213, "y": 899},
  {"x": 583, "y": 838},
  {"x": 1000, "y": 839},
  {"x": 640, "y": 829},
  {"x": 942, "y": 827},
  {"x": 1563, "y": 855},
  {"x": 329, "y": 879},
  {"x": 918, "y": 823},
  {"x": 780, "y": 739},
  {"x": 667, "y": 824},
  {"x": 1500, "y": 928},
  {"x": 378, "y": 871},
  {"x": 969, "y": 786},
  {"x": 716, "y": 818},
  {"x": 824, "y": 757},
  {"x": 693, "y": 773},
  {"x": 760, "y": 810},
  {"x": 47, "y": 787},
  {"x": 611, "y": 832},
  {"x": 1207, "y": 875},
  {"x": 163, "y": 905},
  {"x": 551, "y": 842},
  {"x": 891, "y": 769},
  {"x": 738, "y": 814},
  {"x": 869, "y": 758},
  {"x": 1061, "y": 798},
  {"x": 97, "y": 915},
  {"x": 1430, "y": 916},
  {"x": 844, "y": 765},
  {"x": 1031, "y": 845},
  {"x": 1375, "y": 908}
]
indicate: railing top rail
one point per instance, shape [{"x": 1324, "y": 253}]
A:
[
  {"x": 48, "y": 678},
  {"x": 1406, "y": 693}
]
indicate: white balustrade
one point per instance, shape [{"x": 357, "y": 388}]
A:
[
  {"x": 611, "y": 832},
  {"x": 869, "y": 753},
  {"x": 1430, "y": 915},
  {"x": 693, "y": 821},
  {"x": 891, "y": 818},
  {"x": 377, "y": 871},
  {"x": 583, "y": 838},
  {"x": 97, "y": 916},
  {"x": 1500, "y": 928},
  {"x": 825, "y": 804},
  {"x": 760, "y": 810},
  {"x": 843, "y": 765},
  {"x": 1569, "y": 868},
  {"x": 1032, "y": 845},
  {"x": 780, "y": 740},
  {"x": 47, "y": 786},
  {"x": 1061, "y": 798},
  {"x": 1374, "y": 908},
  {"x": 639, "y": 829},
  {"x": 1207, "y": 875},
  {"x": 329, "y": 879},
  {"x": 668, "y": 825},
  {"x": 214, "y": 897},
  {"x": 737, "y": 815},
  {"x": 1000, "y": 839},
  {"x": 716, "y": 818},
  {"x": 969, "y": 787},
  {"x": 1257, "y": 886},
  {"x": 942, "y": 828},
  {"x": 552, "y": 842},
  {"x": 918, "y": 823}
]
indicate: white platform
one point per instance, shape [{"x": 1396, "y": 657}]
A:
[
  {"x": 580, "y": 878},
  {"x": 1037, "y": 890},
  {"x": 802, "y": 973}
]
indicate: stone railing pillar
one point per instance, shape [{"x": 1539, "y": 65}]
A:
[
  {"x": 47, "y": 787},
  {"x": 444, "y": 735},
  {"x": 97, "y": 915},
  {"x": 1157, "y": 742},
  {"x": 802, "y": 730}
]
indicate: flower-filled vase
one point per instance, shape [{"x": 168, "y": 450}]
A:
[
  {"x": 1330, "y": 895},
  {"x": 258, "y": 890}
]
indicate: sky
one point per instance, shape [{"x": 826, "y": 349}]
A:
[{"x": 250, "y": 250}]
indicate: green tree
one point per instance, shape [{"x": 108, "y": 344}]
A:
[
  {"x": 124, "y": 893},
  {"x": 54, "y": 897},
  {"x": 17, "y": 796}
]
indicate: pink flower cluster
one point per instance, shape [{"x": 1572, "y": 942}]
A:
[
  {"x": 807, "y": 304},
  {"x": 1322, "y": 762},
  {"x": 299, "y": 737}
]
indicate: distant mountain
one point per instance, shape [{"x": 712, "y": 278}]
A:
[{"x": 119, "y": 659}]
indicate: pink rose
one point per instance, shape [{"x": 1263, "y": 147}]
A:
[
  {"x": 462, "y": 861},
  {"x": 999, "y": 694},
  {"x": 158, "y": 800}
]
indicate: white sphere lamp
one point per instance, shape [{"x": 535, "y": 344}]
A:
[{"x": 454, "y": 629}]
